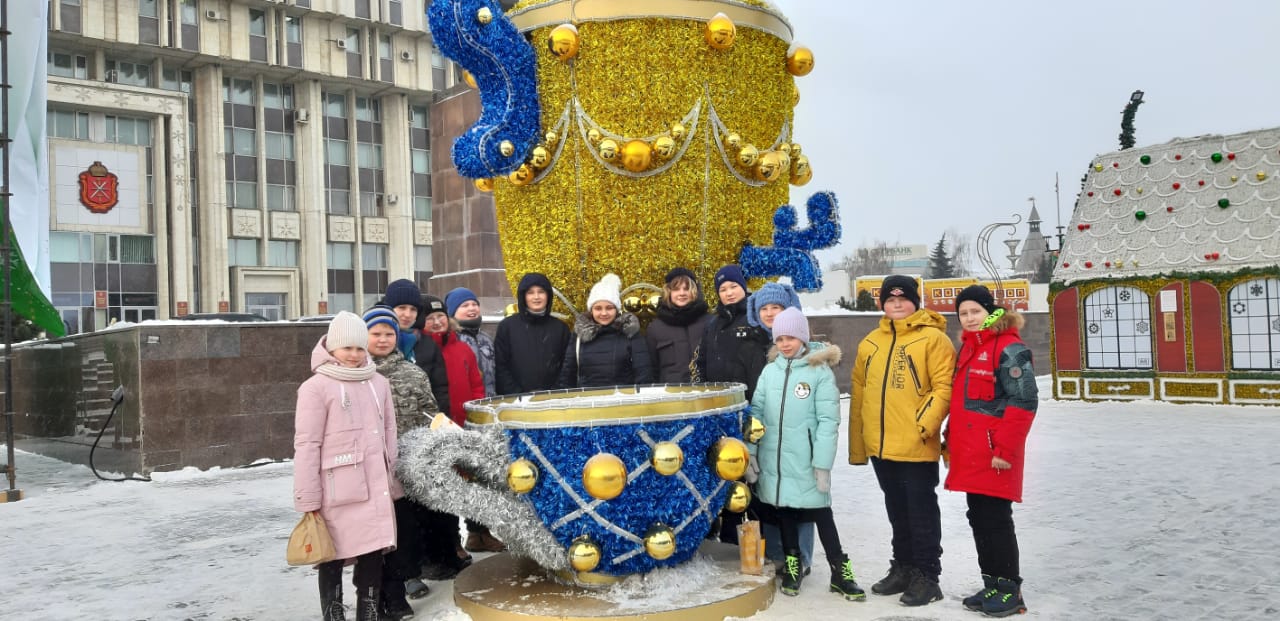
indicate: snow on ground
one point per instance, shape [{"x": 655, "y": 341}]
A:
[{"x": 1133, "y": 511}]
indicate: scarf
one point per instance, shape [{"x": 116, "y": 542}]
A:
[
  {"x": 681, "y": 316},
  {"x": 348, "y": 374},
  {"x": 405, "y": 340},
  {"x": 470, "y": 326}
]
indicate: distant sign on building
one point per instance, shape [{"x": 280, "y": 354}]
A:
[{"x": 940, "y": 294}]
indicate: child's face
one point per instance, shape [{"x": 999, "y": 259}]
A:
[
  {"x": 436, "y": 322},
  {"x": 604, "y": 313},
  {"x": 681, "y": 295},
  {"x": 898, "y": 307},
  {"x": 406, "y": 314},
  {"x": 467, "y": 311},
  {"x": 731, "y": 292},
  {"x": 789, "y": 345},
  {"x": 768, "y": 312},
  {"x": 382, "y": 340},
  {"x": 971, "y": 315},
  {"x": 535, "y": 299},
  {"x": 352, "y": 357}
]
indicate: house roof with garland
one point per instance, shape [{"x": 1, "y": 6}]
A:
[{"x": 1191, "y": 205}]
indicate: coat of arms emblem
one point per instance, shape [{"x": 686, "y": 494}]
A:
[{"x": 99, "y": 188}]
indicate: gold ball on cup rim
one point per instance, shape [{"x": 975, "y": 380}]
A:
[{"x": 667, "y": 458}]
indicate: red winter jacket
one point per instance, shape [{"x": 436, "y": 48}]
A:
[
  {"x": 465, "y": 382},
  {"x": 993, "y": 402}
]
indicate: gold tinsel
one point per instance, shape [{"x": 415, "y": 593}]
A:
[{"x": 636, "y": 78}]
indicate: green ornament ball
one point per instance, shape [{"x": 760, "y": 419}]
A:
[
  {"x": 1224, "y": 203},
  {"x": 1216, "y": 157},
  {"x": 1146, "y": 159},
  {"x": 1141, "y": 215}
]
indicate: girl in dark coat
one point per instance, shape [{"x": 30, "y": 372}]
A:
[
  {"x": 606, "y": 350},
  {"x": 528, "y": 349},
  {"x": 729, "y": 351},
  {"x": 677, "y": 330},
  {"x": 993, "y": 402}
]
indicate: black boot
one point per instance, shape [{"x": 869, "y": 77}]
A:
[
  {"x": 1007, "y": 599},
  {"x": 974, "y": 602},
  {"x": 792, "y": 575},
  {"x": 331, "y": 592},
  {"x": 842, "y": 580},
  {"x": 367, "y": 604},
  {"x": 922, "y": 590},
  {"x": 394, "y": 606},
  {"x": 895, "y": 581}
]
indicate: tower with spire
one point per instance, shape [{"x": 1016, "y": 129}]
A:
[{"x": 1033, "y": 247}]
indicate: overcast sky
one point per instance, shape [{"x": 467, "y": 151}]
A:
[{"x": 923, "y": 116}]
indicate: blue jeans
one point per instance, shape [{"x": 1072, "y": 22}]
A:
[{"x": 773, "y": 543}]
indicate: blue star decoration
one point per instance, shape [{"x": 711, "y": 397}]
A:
[{"x": 792, "y": 251}]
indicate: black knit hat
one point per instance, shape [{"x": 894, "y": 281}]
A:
[
  {"x": 979, "y": 294},
  {"x": 678, "y": 272},
  {"x": 432, "y": 304},
  {"x": 901, "y": 286}
]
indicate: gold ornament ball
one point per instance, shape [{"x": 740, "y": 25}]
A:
[
  {"x": 664, "y": 147},
  {"x": 785, "y": 148},
  {"x": 521, "y": 176},
  {"x": 754, "y": 430},
  {"x": 769, "y": 168},
  {"x": 667, "y": 458},
  {"x": 800, "y": 165},
  {"x": 563, "y": 42},
  {"x": 484, "y": 184},
  {"x": 593, "y": 135},
  {"x": 604, "y": 476},
  {"x": 484, "y": 15},
  {"x": 636, "y": 155},
  {"x": 729, "y": 458},
  {"x": 551, "y": 137},
  {"x": 678, "y": 131},
  {"x": 720, "y": 32},
  {"x": 584, "y": 554},
  {"x": 506, "y": 148},
  {"x": 784, "y": 161},
  {"x": 539, "y": 157},
  {"x": 511, "y": 309},
  {"x": 631, "y": 304},
  {"x": 795, "y": 149},
  {"x": 800, "y": 61},
  {"x": 733, "y": 141},
  {"x": 1262, "y": 176},
  {"x": 469, "y": 79},
  {"x": 799, "y": 179},
  {"x": 651, "y": 302},
  {"x": 522, "y": 476},
  {"x": 660, "y": 542},
  {"x": 748, "y": 156},
  {"x": 739, "y": 497},
  {"x": 608, "y": 149},
  {"x": 795, "y": 95}
]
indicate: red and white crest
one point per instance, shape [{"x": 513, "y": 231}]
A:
[{"x": 99, "y": 188}]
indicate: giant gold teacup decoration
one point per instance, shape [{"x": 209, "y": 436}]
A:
[
  {"x": 591, "y": 483},
  {"x": 662, "y": 140}
]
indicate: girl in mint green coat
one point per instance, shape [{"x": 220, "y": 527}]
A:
[{"x": 797, "y": 400}]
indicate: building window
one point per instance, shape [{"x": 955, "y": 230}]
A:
[
  {"x": 292, "y": 40},
  {"x": 122, "y": 266},
  {"x": 437, "y": 69},
  {"x": 1118, "y": 329},
  {"x": 352, "y": 42},
  {"x": 69, "y": 15},
  {"x": 257, "y": 35},
  {"x": 189, "y": 15},
  {"x": 386, "y": 70},
  {"x": 242, "y": 252},
  {"x": 420, "y": 159},
  {"x": 124, "y": 72},
  {"x": 395, "y": 12},
  {"x": 277, "y": 104},
  {"x": 68, "y": 65},
  {"x": 149, "y": 22},
  {"x": 341, "y": 277},
  {"x": 422, "y": 259},
  {"x": 373, "y": 264},
  {"x": 269, "y": 305},
  {"x": 129, "y": 130},
  {"x": 176, "y": 80},
  {"x": 362, "y": 9},
  {"x": 369, "y": 175},
  {"x": 282, "y": 253},
  {"x": 1254, "y": 309},
  {"x": 240, "y": 134},
  {"x": 337, "y": 158},
  {"x": 68, "y": 124},
  {"x": 137, "y": 249}
]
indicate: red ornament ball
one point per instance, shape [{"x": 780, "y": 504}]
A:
[
  {"x": 1066, "y": 265},
  {"x": 1107, "y": 264},
  {"x": 1201, "y": 182},
  {"x": 1088, "y": 263},
  {"x": 1208, "y": 256},
  {"x": 1115, "y": 164},
  {"x": 1177, "y": 186},
  {"x": 1169, "y": 209},
  {"x": 1178, "y": 156},
  {"x": 1215, "y": 256},
  {"x": 1231, "y": 156},
  {"x": 1118, "y": 192}
]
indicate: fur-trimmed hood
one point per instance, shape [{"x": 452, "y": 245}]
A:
[
  {"x": 820, "y": 354},
  {"x": 587, "y": 329}
]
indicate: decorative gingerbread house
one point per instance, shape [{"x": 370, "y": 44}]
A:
[{"x": 1168, "y": 284}]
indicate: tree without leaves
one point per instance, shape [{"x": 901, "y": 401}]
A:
[
  {"x": 875, "y": 260},
  {"x": 961, "y": 253},
  {"x": 940, "y": 265}
]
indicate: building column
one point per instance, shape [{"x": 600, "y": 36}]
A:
[
  {"x": 215, "y": 281},
  {"x": 309, "y": 150},
  {"x": 398, "y": 180}
]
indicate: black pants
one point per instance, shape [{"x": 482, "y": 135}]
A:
[
  {"x": 405, "y": 561},
  {"x": 911, "y": 502},
  {"x": 440, "y": 537},
  {"x": 991, "y": 519},
  {"x": 788, "y": 521},
  {"x": 368, "y": 572}
]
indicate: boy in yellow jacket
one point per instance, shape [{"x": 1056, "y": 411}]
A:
[{"x": 901, "y": 393}]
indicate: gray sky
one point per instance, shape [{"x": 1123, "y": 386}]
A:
[{"x": 923, "y": 116}]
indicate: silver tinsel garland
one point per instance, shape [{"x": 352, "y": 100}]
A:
[{"x": 431, "y": 465}]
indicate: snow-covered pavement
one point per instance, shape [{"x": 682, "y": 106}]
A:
[{"x": 1133, "y": 511}]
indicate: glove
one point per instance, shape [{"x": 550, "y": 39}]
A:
[
  {"x": 824, "y": 479},
  {"x": 753, "y": 470}
]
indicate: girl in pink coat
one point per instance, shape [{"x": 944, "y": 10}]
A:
[{"x": 344, "y": 455}]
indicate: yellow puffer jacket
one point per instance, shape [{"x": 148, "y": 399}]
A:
[{"x": 901, "y": 389}]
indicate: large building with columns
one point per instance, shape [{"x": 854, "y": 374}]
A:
[{"x": 263, "y": 156}]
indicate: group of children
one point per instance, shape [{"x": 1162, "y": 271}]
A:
[{"x": 903, "y": 376}]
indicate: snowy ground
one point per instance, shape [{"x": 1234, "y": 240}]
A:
[{"x": 1133, "y": 511}]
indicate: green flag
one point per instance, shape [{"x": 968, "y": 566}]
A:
[{"x": 28, "y": 300}]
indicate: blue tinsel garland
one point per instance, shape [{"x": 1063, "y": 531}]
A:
[
  {"x": 650, "y": 498},
  {"x": 503, "y": 64},
  {"x": 792, "y": 251}
]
